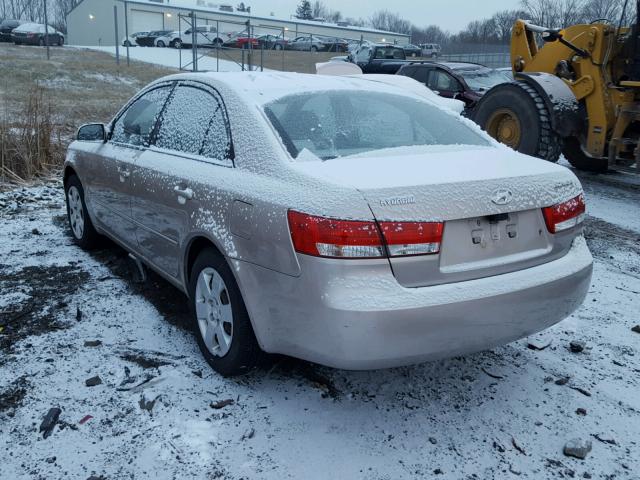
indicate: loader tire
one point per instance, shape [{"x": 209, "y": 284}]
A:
[
  {"x": 574, "y": 154},
  {"x": 516, "y": 115}
]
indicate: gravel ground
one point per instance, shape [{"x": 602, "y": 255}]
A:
[{"x": 158, "y": 411}]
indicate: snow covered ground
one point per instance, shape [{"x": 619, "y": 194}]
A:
[
  {"x": 171, "y": 57},
  {"x": 67, "y": 316}
]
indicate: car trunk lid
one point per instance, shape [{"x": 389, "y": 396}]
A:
[{"x": 489, "y": 199}]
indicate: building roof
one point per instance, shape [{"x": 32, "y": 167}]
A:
[{"x": 190, "y": 5}]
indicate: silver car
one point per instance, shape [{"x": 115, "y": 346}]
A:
[{"x": 341, "y": 220}]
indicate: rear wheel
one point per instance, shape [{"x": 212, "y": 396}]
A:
[
  {"x": 314, "y": 49},
  {"x": 221, "y": 322},
  {"x": 161, "y": 44},
  {"x": 278, "y": 46},
  {"x": 41, "y": 42},
  {"x": 516, "y": 115},
  {"x": 572, "y": 150},
  {"x": 60, "y": 41}
]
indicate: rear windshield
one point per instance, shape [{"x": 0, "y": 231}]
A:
[{"x": 337, "y": 124}]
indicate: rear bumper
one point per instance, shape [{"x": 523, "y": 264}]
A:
[{"x": 357, "y": 317}]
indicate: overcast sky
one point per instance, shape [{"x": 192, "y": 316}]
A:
[{"x": 451, "y": 15}]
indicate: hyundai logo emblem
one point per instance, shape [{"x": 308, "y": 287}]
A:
[{"x": 502, "y": 197}]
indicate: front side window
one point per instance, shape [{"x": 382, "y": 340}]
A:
[
  {"x": 443, "y": 82},
  {"x": 194, "y": 122},
  {"x": 135, "y": 125},
  {"x": 336, "y": 124}
]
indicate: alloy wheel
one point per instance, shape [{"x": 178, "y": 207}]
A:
[
  {"x": 76, "y": 212},
  {"x": 214, "y": 312}
]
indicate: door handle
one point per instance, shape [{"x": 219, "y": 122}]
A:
[{"x": 183, "y": 194}]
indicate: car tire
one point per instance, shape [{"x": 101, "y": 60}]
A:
[
  {"x": 574, "y": 154},
  {"x": 161, "y": 44},
  {"x": 41, "y": 42},
  {"x": 414, "y": 54},
  {"x": 82, "y": 230},
  {"x": 314, "y": 49},
  {"x": 221, "y": 312},
  {"x": 524, "y": 108},
  {"x": 61, "y": 41},
  {"x": 177, "y": 44},
  {"x": 278, "y": 46}
]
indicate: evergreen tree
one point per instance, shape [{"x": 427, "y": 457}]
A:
[{"x": 304, "y": 10}]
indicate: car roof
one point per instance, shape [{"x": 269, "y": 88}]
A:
[
  {"x": 260, "y": 88},
  {"x": 453, "y": 65}
]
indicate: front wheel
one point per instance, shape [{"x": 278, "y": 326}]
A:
[
  {"x": 314, "y": 49},
  {"x": 41, "y": 42},
  {"x": 161, "y": 44},
  {"x": 516, "y": 115},
  {"x": 178, "y": 44},
  {"x": 278, "y": 46},
  {"x": 82, "y": 229},
  {"x": 221, "y": 322},
  {"x": 60, "y": 41}
]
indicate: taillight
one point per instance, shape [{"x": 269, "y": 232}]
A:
[
  {"x": 328, "y": 237},
  {"x": 565, "y": 215},
  {"x": 412, "y": 238}
]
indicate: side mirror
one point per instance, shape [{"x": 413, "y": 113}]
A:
[{"x": 93, "y": 132}]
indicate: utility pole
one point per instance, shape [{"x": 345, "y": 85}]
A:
[{"x": 46, "y": 29}]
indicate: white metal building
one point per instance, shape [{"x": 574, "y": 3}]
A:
[{"x": 92, "y": 22}]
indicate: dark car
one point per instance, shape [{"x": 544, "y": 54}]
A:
[
  {"x": 273, "y": 42},
  {"x": 462, "y": 81},
  {"x": 412, "y": 50},
  {"x": 335, "y": 44},
  {"x": 36, "y": 34},
  {"x": 149, "y": 39},
  {"x": 379, "y": 58},
  {"x": 6, "y": 27}
]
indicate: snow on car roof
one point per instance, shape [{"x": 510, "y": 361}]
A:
[{"x": 260, "y": 88}]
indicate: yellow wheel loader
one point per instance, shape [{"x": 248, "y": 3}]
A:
[{"x": 578, "y": 94}]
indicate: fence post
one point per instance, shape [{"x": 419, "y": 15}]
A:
[
  {"x": 115, "y": 23},
  {"x": 218, "y": 46},
  {"x": 46, "y": 29},
  {"x": 194, "y": 41},
  {"x": 126, "y": 29},
  {"x": 262, "y": 57},
  {"x": 242, "y": 59}
]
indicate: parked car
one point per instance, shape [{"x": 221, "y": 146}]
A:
[
  {"x": 273, "y": 42},
  {"x": 379, "y": 58},
  {"x": 131, "y": 40},
  {"x": 462, "y": 81},
  {"x": 149, "y": 39},
  {"x": 6, "y": 27},
  {"x": 36, "y": 34},
  {"x": 335, "y": 44},
  {"x": 167, "y": 40},
  {"x": 412, "y": 50},
  {"x": 430, "y": 50},
  {"x": 241, "y": 41},
  {"x": 333, "y": 220},
  {"x": 310, "y": 44},
  {"x": 206, "y": 36}
]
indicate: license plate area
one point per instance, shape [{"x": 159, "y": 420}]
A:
[{"x": 494, "y": 240}]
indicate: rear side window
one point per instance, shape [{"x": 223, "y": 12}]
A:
[
  {"x": 135, "y": 125},
  {"x": 194, "y": 122}
]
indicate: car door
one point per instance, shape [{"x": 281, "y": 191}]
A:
[
  {"x": 444, "y": 84},
  {"x": 109, "y": 172},
  {"x": 165, "y": 192}
]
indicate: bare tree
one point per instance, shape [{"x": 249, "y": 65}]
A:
[{"x": 390, "y": 22}]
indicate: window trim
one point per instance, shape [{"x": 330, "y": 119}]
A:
[
  {"x": 229, "y": 161},
  {"x": 125, "y": 109}
]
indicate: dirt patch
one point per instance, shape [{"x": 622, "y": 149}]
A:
[
  {"x": 605, "y": 238},
  {"x": 44, "y": 309},
  {"x": 11, "y": 398},
  {"x": 144, "y": 361}
]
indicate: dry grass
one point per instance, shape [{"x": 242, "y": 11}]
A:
[{"x": 42, "y": 103}]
